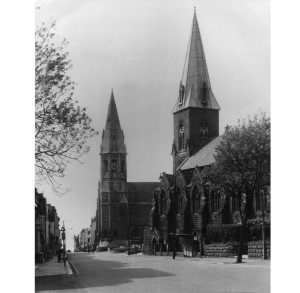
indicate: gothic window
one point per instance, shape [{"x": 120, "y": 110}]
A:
[
  {"x": 114, "y": 165},
  {"x": 105, "y": 234},
  {"x": 123, "y": 167},
  {"x": 204, "y": 94},
  {"x": 258, "y": 201},
  {"x": 235, "y": 204},
  {"x": 181, "y": 93},
  {"x": 215, "y": 201},
  {"x": 105, "y": 166},
  {"x": 115, "y": 234},
  {"x": 114, "y": 143},
  {"x": 181, "y": 136},
  {"x": 163, "y": 203},
  {"x": 203, "y": 128},
  {"x": 195, "y": 200},
  {"x": 180, "y": 201}
]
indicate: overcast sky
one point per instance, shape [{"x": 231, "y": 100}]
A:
[{"x": 138, "y": 48}]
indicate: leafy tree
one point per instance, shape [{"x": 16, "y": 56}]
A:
[
  {"x": 62, "y": 128},
  {"x": 242, "y": 165}
]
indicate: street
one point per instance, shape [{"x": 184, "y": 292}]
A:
[{"x": 109, "y": 272}]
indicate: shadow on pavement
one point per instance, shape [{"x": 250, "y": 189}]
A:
[{"x": 95, "y": 272}]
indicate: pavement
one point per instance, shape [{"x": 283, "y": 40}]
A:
[{"x": 53, "y": 267}]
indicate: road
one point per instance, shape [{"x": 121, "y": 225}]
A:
[{"x": 114, "y": 273}]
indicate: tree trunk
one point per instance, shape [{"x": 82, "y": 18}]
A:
[{"x": 240, "y": 250}]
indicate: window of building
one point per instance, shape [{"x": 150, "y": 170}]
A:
[
  {"x": 135, "y": 233},
  {"x": 204, "y": 95},
  {"x": 195, "y": 200},
  {"x": 235, "y": 204},
  {"x": 114, "y": 165},
  {"x": 163, "y": 202},
  {"x": 115, "y": 234},
  {"x": 123, "y": 166},
  {"x": 215, "y": 201},
  {"x": 105, "y": 166},
  {"x": 181, "y": 135},
  {"x": 258, "y": 201},
  {"x": 203, "y": 128},
  {"x": 181, "y": 93}
]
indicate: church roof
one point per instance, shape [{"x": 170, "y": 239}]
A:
[
  {"x": 112, "y": 136},
  {"x": 140, "y": 195},
  {"x": 195, "y": 81},
  {"x": 141, "y": 191},
  {"x": 203, "y": 157}
]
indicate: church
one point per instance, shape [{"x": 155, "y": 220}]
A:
[
  {"x": 177, "y": 210},
  {"x": 183, "y": 204},
  {"x": 122, "y": 207}
]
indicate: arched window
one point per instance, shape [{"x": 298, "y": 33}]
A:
[
  {"x": 258, "y": 200},
  {"x": 203, "y": 128},
  {"x": 105, "y": 234},
  {"x": 181, "y": 135},
  {"x": 163, "y": 203},
  {"x": 114, "y": 165},
  {"x": 195, "y": 200},
  {"x": 215, "y": 201},
  {"x": 105, "y": 166},
  {"x": 180, "y": 200},
  {"x": 123, "y": 166},
  {"x": 181, "y": 93},
  {"x": 204, "y": 94},
  {"x": 235, "y": 204}
]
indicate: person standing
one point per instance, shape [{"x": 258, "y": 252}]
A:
[
  {"x": 153, "y": 245},
  {"x": 59, "y": 254},
  {"x": 160, "y": 242}
]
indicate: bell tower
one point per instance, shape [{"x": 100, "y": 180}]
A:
[
  {"x": 196, "y": 112},
  {"x": 112, "y": 193}
]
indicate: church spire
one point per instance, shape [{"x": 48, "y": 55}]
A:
[
  {"x": 195, "y": 89},
  {"x": 112, "y": 137}
]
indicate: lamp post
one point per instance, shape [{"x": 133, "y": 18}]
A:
[
  {"x": 63, "y": 235},
  {"x": 174, "y": 198},
  {"x": 128, "y": 230}
]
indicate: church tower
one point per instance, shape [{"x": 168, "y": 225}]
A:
[
  {"x": 112, "y": 198},
  {"x": 196, "y": 112}
]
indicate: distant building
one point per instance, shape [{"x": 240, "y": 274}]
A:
[
  {"x": 121, "y": 205},
  {"x": 46, "y": 229}
]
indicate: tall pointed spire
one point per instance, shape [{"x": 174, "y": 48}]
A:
[
  {"x": 112, "y": 137},
  {"x": 195, "y": 90}
]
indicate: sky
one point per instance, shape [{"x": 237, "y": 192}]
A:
[{"x": 138, "y": 48}]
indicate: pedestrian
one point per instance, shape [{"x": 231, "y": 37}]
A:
[
  {"x": 153, "y": 245},
  {"x": 160, "y": 242},
  {"x": 167, "y": 244},
  {"x": 59, "y": 255}
]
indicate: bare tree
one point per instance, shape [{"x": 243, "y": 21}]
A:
[{"x": 62, "y": 127}]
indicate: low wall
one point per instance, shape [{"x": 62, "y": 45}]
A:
[
  {"x": 255, "y": 249},
  {"x": 220, "y": 250}
]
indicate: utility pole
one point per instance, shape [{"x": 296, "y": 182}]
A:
[
  {"x": 263, "y": 226},
  {"x": 128, "y": 230}
]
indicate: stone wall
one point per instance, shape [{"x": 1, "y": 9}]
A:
[
  {"x": 220, "y": 250},
  {"x": 255, "y": 249}
]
